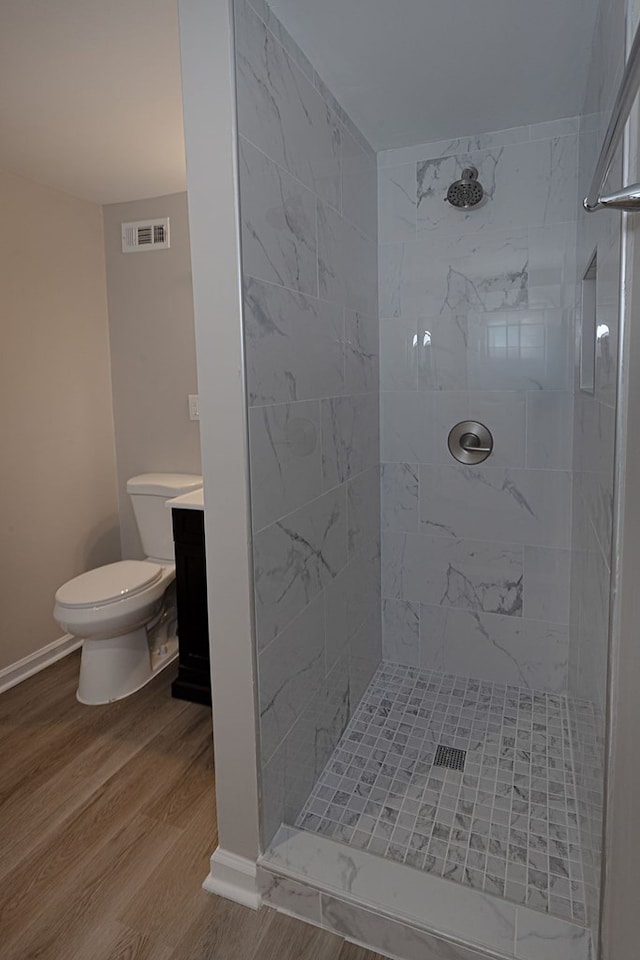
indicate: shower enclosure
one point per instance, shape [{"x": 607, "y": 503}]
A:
[{"x": 430, "y": 635}]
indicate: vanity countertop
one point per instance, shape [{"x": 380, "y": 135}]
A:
[{"x": 188, "y": 501}]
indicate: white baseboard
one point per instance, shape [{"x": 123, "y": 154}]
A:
[
  {"x": 17, "y": 672},
  {"x": 234, "y": 878}
]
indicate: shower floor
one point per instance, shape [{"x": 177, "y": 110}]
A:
[{"x": 506, "y": 824}]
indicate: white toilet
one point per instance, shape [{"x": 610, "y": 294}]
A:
[{"x": 125, "y": 612}]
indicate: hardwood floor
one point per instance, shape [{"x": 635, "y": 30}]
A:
[{"x": 107, "y": 822}]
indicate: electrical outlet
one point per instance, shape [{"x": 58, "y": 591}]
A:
[{"x": 194, "y": 406}]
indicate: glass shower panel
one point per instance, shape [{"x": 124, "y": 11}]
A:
[
  {"x": 431, "y": 636},
  {"x": 308, "y": 200}
]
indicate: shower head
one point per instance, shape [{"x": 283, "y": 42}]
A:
[{"x": 466, "y": 192}]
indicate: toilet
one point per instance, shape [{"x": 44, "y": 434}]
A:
[{"x": 125, "y": 612}]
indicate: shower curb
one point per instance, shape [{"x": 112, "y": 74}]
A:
[{"x": 402, "y": 913}]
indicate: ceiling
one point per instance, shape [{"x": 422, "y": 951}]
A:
[
  {"x": 91, "y": 98},
  {"x": 409, "y": 71}
]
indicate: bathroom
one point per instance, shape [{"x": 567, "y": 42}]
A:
[
  {"x": 423, "y": 688},
  {"x": 99, "y": 349},
  {"x": 97, "y": 368},
  {"x": 428, "y": 661}
]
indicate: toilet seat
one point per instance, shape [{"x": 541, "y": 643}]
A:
[{"x": 108, "y": 584}]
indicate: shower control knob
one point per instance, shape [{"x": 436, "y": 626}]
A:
[{"x": 470, "y": 442}]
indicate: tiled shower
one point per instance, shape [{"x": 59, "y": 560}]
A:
[{"x": 405, "y": 602}]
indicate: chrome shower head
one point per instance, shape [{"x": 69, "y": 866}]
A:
[{"x": 466, "y": 192}]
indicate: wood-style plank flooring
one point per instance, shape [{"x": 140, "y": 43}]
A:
[{"x": 107, "y": 822}]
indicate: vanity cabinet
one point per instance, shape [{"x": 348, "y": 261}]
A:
[{"x": 194, "y": 680}]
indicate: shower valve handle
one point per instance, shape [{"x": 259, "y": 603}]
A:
[{"x": 471, "y": 444}]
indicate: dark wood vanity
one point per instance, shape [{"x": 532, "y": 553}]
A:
[{"x": 194, "y": 680}]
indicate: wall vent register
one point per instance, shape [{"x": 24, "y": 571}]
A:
[{"x": 145, "y": 235}]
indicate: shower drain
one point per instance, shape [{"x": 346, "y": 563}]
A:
[{"x": 450, "y": 757}]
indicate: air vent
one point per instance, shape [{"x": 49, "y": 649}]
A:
[{"x": 145, "y": 235}]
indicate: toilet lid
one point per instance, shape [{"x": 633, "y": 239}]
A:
[{"x": 112, "y": 582}]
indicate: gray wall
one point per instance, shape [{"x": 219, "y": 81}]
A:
[
  {"x": 58, "y": 482},
  {"x": 594, "y": 455},
  {"x": 309, "y": 219},
  {"x": 153, "y": 362},
  {"x": 476, "y": 323}
]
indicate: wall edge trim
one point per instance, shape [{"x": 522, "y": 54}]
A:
[
  {"x": 234, "y": 878},
  {"x": 39, "y": 660}
]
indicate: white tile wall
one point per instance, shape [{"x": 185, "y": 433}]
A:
[
  {"x": 308, "y": 200},
  {"x": 477, "y": 311}
]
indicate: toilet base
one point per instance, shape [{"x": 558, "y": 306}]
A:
[{"x": 114, "y": 668}]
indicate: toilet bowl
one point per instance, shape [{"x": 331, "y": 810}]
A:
[{"x": 125, "y": 612}]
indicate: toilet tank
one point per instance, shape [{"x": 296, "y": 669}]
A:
[{"x": 148, "y": 493}]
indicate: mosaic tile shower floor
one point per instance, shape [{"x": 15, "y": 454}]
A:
[{"x": 507, "y": 824}]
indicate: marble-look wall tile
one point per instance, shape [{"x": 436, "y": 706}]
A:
[
  {"x": 453, "y": 146},
  {"x": 362, "y": 353},
  {"x": 401, "y": 631},
  {"x": 337, "y": 615},
  {"x": 518, "y": 349},
  {"x": 278, "y": 224},
  {"x": 488, "y": 503},
  {"x": 493, "y": 292},
  {"x": 365, "y": 653},
  {"x": 527, "y": 653},
  {"x": 295, "y": 558},
  {"x": 331, "y": 101},
  {"x": 399, "y": 352},
  {"x": 363, "y": 591},
  {"x": 443, "y": 352},
  {"x": 294, "y": 345},
  {"x": 393, "y": 938},
  {"x": 284, "y": 443},
  {"x": 397, "y": 203},
  {"x": 400, "y": 498},
  {"x": 566, "y": 127},
  {"x": 594, "y": 454},
  {"x": 363, "y": 510},
  {"x": 591, "y": 576},
  {"x": 391, "y": 258},
  {"x": 525, "y": 185},
  {"x": 273, "y": 792},
  {"x": 290, "y": 672},
  {"x": 552, "y": 265},
  {"x": 351, "y": 599},
  {"x": 314, "y": 737},
  {"x": 264, "y": 11},
  {"x": 535, "y": 932},
  {"x": 349, "y": 437},
  {"x": 346, "y": 263},
  {"x": 550, "y": 430},
  {"x": 407, "y": 427},
  {"x": 294, "y": 898},
  {"x": 503, "y": 413},
  {"x": 468, "y": 574},
  {"x": 308, "y": 201},
  {"x": 281, "y": 112},
  {"x": 547, "y": 574},
  {"x": 455, "y": 274},
  {"x": 359, "y": 186}
]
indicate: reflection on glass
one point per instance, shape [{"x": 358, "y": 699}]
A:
[{"x": 516, "y": 341}]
